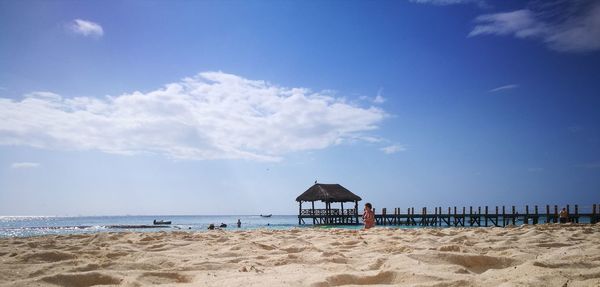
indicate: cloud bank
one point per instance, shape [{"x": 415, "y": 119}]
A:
[
  {"x": 17, "y": 165},
  {"x": 565, "y": 26},
  {"x": 210, "y": 116},
  {"x": 86, "y": 28}
]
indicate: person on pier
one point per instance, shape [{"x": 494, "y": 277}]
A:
[
  {"x": 564, "y": 216},
  {"x": 368, "y": 216}
]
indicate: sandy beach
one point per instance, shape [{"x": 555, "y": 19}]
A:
[{"x": 542, "y": 255}]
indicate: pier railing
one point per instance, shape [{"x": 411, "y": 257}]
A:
[
  {"x": 486, "y": 216},
  {"x": 454, "y": 216},
  {"x": 324, "y": 212},
  {"x": 332, "y": 216}
]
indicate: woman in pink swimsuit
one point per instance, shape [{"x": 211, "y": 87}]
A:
[{"x": 368, "y": 216}]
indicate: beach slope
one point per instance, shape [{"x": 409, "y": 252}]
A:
[{"x": 542, "y": 255}]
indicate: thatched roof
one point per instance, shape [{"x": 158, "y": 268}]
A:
[{"x": 328, "y": 193}]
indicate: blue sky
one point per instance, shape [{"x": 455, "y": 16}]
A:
[{"x": 236, "y": 107}]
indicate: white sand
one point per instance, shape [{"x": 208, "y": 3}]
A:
[{"x": 543, "y": 255}]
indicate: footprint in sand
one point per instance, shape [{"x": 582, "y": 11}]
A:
[
  {"x": 294, "y": 249},
  {"x": 82, "y": 279},
  {"x": 47, "y": 256},
  {"x": 351, "y": 242},
  {"x": 562, "y": 264},
  {"x": 553, "y": 244},
  {"x": 335, "y": 259},
  {"x": 385, "y": 277},
  {"x": 115, "y": 255},
  {"x": 264, "y": 246},
  {"x": 225, "y": 254},
  {"x": 156, "y": 278},
  {"x": 377, "y": 264},
  {"x": 87, "y": 267},
  {"x": 449, "y": 248},
  {"x": 474, "y": 263},
  {"x": 330, "y": 253}
]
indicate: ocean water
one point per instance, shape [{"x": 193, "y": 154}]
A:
[{"x": 21, "y": 226}]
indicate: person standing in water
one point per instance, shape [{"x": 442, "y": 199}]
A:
[
  {"x": 368, "y": 216},
  {"x": 239, "y": 223}
]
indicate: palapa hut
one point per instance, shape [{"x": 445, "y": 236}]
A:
[{"x": 328, "y": 193}]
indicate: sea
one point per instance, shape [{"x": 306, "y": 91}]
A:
[{"x": 24, "y": 226}]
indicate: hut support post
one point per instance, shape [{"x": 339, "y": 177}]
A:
[
  {"x": 299, "y": 213},
  {"x": 313, "y": 212},
  {"x": 327, "y": 212},
  {"x": 343, "y": 217},
  {"x": 356, "y": 211}
]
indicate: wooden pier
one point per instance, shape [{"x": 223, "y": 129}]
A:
[
  {"x": 451, "y": 217},
  {"x": 474, "y": 217}
]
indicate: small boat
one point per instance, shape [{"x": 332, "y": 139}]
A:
[
  {"x": 268, "y": 215},
  {"x": 161, "y": 222}
]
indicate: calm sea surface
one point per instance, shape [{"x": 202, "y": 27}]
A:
[
  {"x": 19, "y": 226},
  {"x": 22, "y": 226}
]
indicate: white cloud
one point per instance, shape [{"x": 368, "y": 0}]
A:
[
  {"x": 393, "y": 149},
  {"x": 17, "y": 165},
  {"x": 572, "y": 26},
  {"x": 210, "y": 116},
  {"x": 449, "y": 2},
  {"x": 522, "y": 23},
  {"x": 505, "y": 87},
  {"x": 379, "y": 99},
  {"x": 86, "y": 28}
]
